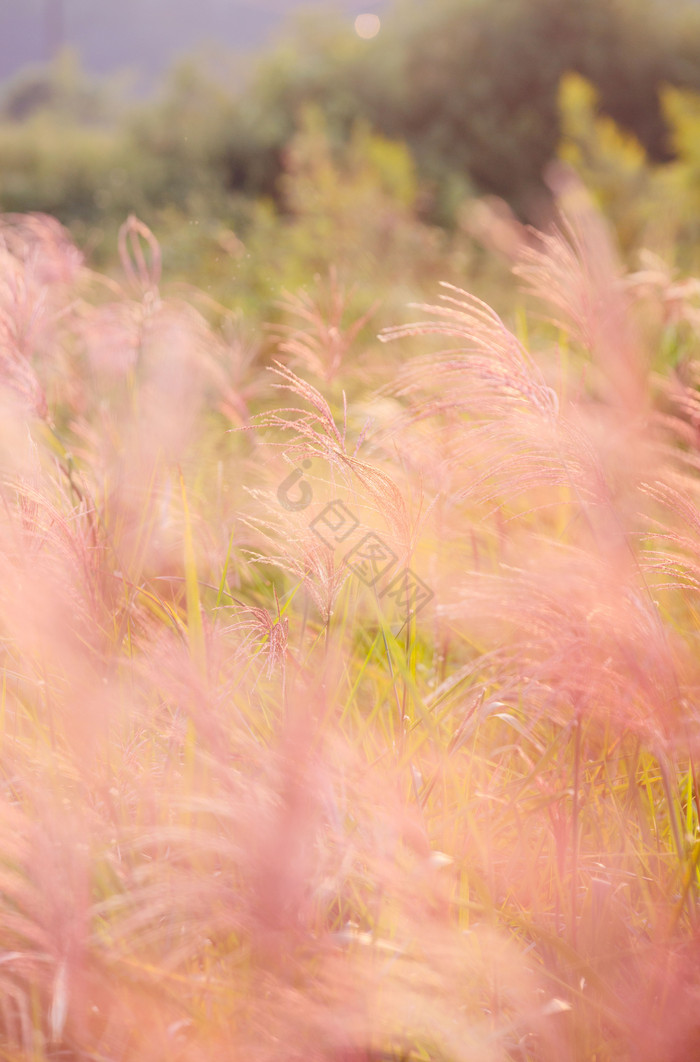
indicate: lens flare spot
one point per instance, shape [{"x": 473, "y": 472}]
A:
[{"x": 367, "y": 26}]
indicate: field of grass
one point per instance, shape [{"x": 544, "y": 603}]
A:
[{"x": 349, "y": 682}]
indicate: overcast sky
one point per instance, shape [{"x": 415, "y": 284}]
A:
[{"x": 143, "y": 35}]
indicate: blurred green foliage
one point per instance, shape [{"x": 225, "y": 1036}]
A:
[
  {"x": 336, "y": 150},
  {"x": 650, "y": 204},
  {"x": 63, "y": 90},
  {"x": 628, "y": 188},
  {"x": 471, "y": 86},
  {"x": 353, "y": 209}
]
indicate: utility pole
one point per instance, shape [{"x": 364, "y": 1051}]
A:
[{"x": 54, "y": 27}]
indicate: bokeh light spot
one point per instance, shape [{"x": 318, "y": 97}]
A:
[{"x": 367, "y": 26}]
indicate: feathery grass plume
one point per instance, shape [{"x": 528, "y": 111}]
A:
[
  {"x": 573, "y": 625},
  {"x": 576, "y": 270},
  {"x": 318, "y": 429},
  {"x": 155, "y": 366},
  {"x": 316, "y": 434},
  {"x": 501, "y": 367},
  {"x": 41, "y": 276},
  {"x": 480, "y": 425},
  {"x": 681, "y": 417},
  {"x": 37, "y": 265},
  {"x": 492, "y": 222},
  {"x": 45, "y": 246},
  {"x": 56, "y": 617},
  {"x": 293, "y": 547},
  {"x": 520, "y": 437},
  {"x": 320, "y": 342},
  {"x": 44, "y": 911},
  {"x": 675, "y": 297},
  {"x": 263, "y": 865},
  {"x": 142, "y": 274},
  {"x": 518, "y": 440},
  {"x": 272, "y": 634}
]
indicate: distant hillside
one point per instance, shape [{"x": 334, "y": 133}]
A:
[{"x": 143, "y": 35}]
